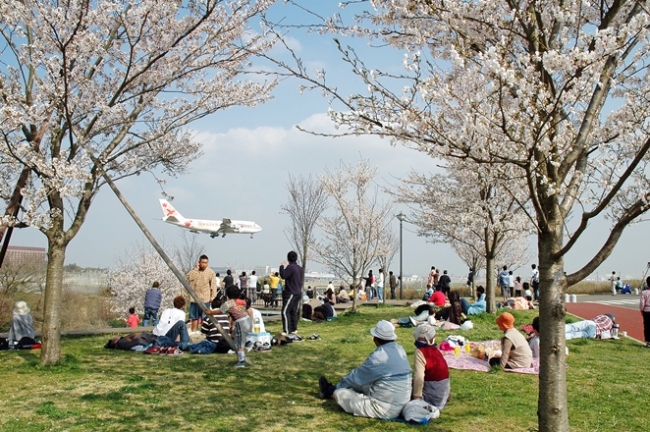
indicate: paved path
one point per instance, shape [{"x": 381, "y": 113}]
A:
[{"x": 629, "y": 320}]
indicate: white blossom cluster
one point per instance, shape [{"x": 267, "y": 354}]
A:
[
  {"x": 119, "y": 81},
  {"x": 134, "y": 274}
]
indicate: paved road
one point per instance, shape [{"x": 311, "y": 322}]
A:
[
  {"x": 630, "y": 301},
  {"x": 624, "y": 307}
]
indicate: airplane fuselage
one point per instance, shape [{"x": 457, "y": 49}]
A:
[
  {"x": 212, "y": 227},
  {"x": 217, "y": 227}
]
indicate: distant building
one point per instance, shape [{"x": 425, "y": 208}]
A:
[{"x": 17, "y": 255}]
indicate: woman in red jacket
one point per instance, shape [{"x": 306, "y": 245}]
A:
[{"x": 431, "y": 376}]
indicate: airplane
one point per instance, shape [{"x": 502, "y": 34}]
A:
[{"x": 212, "y": 227}]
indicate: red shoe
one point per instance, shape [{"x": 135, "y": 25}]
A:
[
  {"x": 174, "y": 351},
  {"x": 152, "y": 350}
]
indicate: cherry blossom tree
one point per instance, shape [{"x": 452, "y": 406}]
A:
[
  {"x": 555, "y": 90},
  {"x": 353, "y": 234},
  {"x": 118, "y": 82},
  {"x": 135, "y": 274},
  {"x": 307, "y": 202},
  {"x": 475, "y": 212}
]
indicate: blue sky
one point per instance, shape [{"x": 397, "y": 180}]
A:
[{"x": 243, "y": 173}]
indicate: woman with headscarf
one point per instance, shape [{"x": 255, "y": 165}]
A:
[
  {"x": 22, "y": 324},
  {"x": 515, "y": 351},
  {"x": 431, "y": 374}
]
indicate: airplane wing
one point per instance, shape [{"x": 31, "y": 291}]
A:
[{"x": 226, "y": 221}]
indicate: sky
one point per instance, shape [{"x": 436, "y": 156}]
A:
[{"x": 248, "y": 155}]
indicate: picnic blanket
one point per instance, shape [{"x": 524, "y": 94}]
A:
[{"x": 466, "y": 361}]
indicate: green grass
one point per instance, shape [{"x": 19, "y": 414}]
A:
[{"x": 104, "y": 390}]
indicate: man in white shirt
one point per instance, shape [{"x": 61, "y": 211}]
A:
[
  {"x": 380, "y": 286},
  {"x": 252, "y": 286},
  {"x": 172, "y": 324}
]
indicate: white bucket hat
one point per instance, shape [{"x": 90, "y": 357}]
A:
[
  {"x": 384, "y": 330},
  {"x": 425, "y": 333},
  {"x": 21, "y": 308}
]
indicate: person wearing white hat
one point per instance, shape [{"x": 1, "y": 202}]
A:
[
  {"x": 431, "y": 373},
  {"x": 381, "y": 386},
  {"x": 22, "y": 324}
]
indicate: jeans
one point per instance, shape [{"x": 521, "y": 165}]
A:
[
  {"x": 380, "y": 293},
  {"x": 179, "y": 330},
  {"x": 150, "y": 314},
  {"x": 464, "y": 304},
  {"x": 580, "y": 329}
]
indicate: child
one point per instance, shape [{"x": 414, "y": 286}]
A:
[
  {"x": 527, "y": 291},
  {"x": 133, "y": 320},
  {"x": 241, "y": 318},
  {"x": 518, "y": 286}
]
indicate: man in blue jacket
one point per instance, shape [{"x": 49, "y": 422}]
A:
[
  {"x": 291, "y": 293},
  {"x": 381, "y": 386},
  {"x": 152, "y": 299}
]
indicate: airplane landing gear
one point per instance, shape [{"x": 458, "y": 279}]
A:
[{"x": 223, "y": 235}]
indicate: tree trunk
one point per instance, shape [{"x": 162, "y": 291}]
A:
[
  {"x": 490, "y": 298},
  {"x": 552, "y": 404},
  {"x": 51, "y": 351}
]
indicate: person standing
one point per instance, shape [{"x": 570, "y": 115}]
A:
[
  {"x": 534, "y": 280},
  {"x": 253, "y": 287},
  {"x": 470, "y": 278},
  {"x": 445, "y": 283},
  {"x": 291, "y": 272},
  {"x": 504, "y": 282},
  {"x": 204, "y": 283},
  {"x": 612, "y": 283},
  {"x": 152, "y": 299},
  {"x": 380, "y": 285},
  {"x": 228, "y": 281},
  {"x": 432, "y": 276},
  {"x": 644, "y": 305},
  {"x": 370, "y": 285},
  {"x": 511, "y": 283},
  {"x": 392, "y": 282}
]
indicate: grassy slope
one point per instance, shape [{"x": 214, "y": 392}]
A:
[{"x": 98, "y": 389}]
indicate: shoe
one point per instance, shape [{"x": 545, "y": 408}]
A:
[
  {"x": 314, "y": 337},
  {"x": 230, "y": 352},
  {"x": 323, "y": 385},
  {"x": 152, "y": 350},
  {"x": 174, "y": 351},
  {"x": 647, "y": 345},
  {"x": 163, "y": 350},
  {"x": 240, "y": 365}
]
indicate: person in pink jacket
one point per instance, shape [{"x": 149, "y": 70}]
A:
[{"x": 644, "y": 305}]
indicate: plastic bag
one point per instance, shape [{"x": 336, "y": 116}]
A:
[{"x": 419, "y": 411}]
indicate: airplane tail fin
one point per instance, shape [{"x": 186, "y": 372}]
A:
[{"x": 169, "y": 212}]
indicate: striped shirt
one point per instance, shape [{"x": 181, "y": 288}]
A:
[
  {"x": 204, "y": 283},
  {"x": 210, "y": 330},
  {"x": 603, "y": 323}
]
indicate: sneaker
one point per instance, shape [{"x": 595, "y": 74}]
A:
[
  {"x": 152, "y": 350},
  {"x": 314, "y": 337},
  {"x": 174, "y": 351},
  {"x": 240, "y": 365},
  {"x": 647, "y": 345},
  {"x": 163, "y": 350},
  {"x": 323, "y": 385}
]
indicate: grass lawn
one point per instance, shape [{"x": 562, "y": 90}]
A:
[{"x": 98, "y": 389}]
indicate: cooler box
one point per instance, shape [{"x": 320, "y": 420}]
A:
[{"x": 262, "y": 337}]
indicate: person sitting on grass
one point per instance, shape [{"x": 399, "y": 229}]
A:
[
  {"x": 431, "y": 373},
  {"x": 590, "y": 329},
  {"x": 515, "y": 351},
  {"x": 451, "y": 313},
  {"x": 381, "y": 386},
  {"x": 533, "y": 342},
  {"x": 475, "y": 308},
  {"x": 172, "y": 325},
  {"x": 22, "y": 324},
  {"x": 438, "y": 297},
  {"x": 428, "y": 293}
]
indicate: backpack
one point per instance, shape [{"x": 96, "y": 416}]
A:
[
  {"x": 26, "y": 343},
  {"x": 4, "y": 344}
]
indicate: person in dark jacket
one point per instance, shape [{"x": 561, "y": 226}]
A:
[
  {"x": 445, "y": 283},
  {"x": 323, "y": 311},
  {"x": 152, "y": 299},
  {"x": 291, "y": 272},
  {"x": 228, "y": 281}
]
